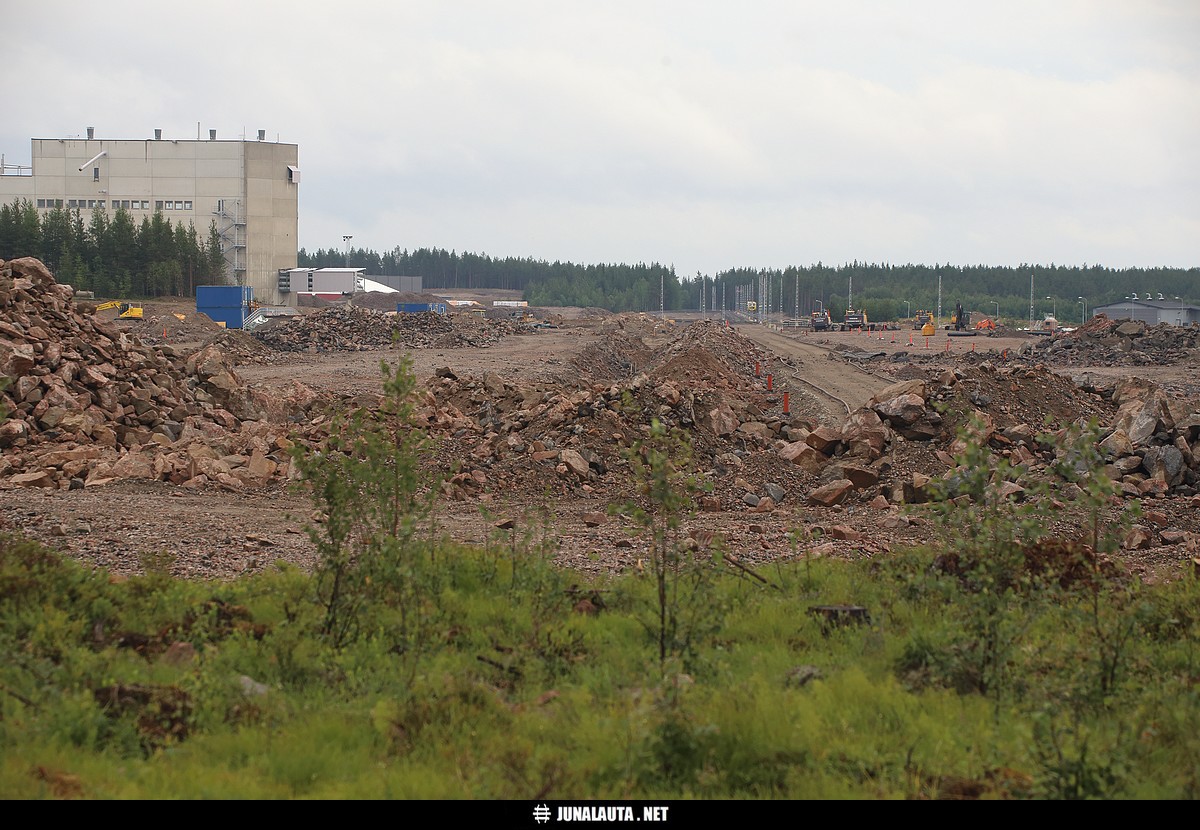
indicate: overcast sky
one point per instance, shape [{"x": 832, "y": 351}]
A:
[{"x": 703, "y": 135}]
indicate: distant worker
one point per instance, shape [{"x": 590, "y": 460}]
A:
[{"x": 959, "y": 322}]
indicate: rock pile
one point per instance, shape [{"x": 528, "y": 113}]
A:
[
  {"x": 1105, "y": 342},
  {"x": 88, "y": 402},
  {"x": 354, "y": 328},
  {"x": 528, "y": 442}
]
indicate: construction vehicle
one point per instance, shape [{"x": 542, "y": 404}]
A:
[
  {"x": 751, "y": 307},
  {"x": 821, "y": 320},
  {"x": 986, "y": 325},
  {"x": 126, "y": 310},
  {"x": 959, "y": 322},
  {"x": 922, "y": 317},
  {"x": 854, "y": 320}
]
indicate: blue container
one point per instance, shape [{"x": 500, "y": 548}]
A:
[
  {"x": 418, "y": 308},
  {"x": 233, "y": 318},
  {"x": 228, "y": 304},
  {"x": 224, "y": 296}
]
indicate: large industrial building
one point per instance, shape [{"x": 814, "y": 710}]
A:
[
  {"x": 248, "y": 188},
  {"x": 1151, "y": 310}
]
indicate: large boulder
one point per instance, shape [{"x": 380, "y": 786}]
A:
[{"x": 835, "y": 492}]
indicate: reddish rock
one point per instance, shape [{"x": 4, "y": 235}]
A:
[
  {"x": 905, "y": 387},
  {"x": 709, "y": 504},
  {"x": 765, "y": 505},
  {"x": 719, "y": 420},
  {"x": 844, "y": 533},
  {"x": 861, "y": 477},
  {"x": 38, "y": 478},
  {"x": 1175, "y": 536},
  {"x": 830, "y": 494},
  {"x": 1156, "y": 517},
  {"x": 1138, "y": 538},
  {"x": 824, "y": 439},
  {"x": 574, "y": 463},
  {"x": 804, "y": 456},
  {"x": 903, "y": 411}
]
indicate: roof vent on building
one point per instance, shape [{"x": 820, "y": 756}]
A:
[
  {"x": 212, "y": 135},
  {"x": 158, "y": 135},
  {"x": 91, "y": 133},
  {"x": 262, "y": 135}
]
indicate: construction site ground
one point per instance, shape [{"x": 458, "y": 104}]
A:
[{"x": 784, "y": 375}]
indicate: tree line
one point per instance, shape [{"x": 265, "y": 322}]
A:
[
  {"x": 118, "y": 257},
  {"x": 114, "y": 256},
  {"x": 887, "y": 291}
]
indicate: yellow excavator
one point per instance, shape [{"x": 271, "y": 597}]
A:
[{"x": 126, "y": 310}]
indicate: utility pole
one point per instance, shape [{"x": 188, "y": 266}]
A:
[{"x": 1031, "y": 298}]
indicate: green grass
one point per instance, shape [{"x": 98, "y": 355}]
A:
[{"x": 517, "y": 696}]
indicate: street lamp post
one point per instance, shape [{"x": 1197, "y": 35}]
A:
[
  {"x": 907, "y": 309},
  {"x": 1083, "y": 313},
  {"x": 1053, "y": 307},
  {"x": 346, "y": 241},
  {"x": 997, "y": 305}
]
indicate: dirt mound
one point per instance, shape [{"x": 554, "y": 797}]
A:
[
  {"x": 615, "y": 358},
  {"x": 168, "y": 328}
]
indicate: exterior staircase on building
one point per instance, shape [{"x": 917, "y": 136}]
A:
[{"x": 264, "y": 313}]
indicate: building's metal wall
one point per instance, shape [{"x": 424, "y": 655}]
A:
[{"x": 243, "y": 186}]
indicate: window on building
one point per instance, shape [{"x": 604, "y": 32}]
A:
[
  {"x": 187, "y": 205},
  {"x": 95, "y": 174},
  {"x": 145, "y": 204},
  {"x": 169, "y": 205},
  {"x": 158, "y": 205},
  {"x": 71, "y": 203},
  {"x": 41, "y": 203},
  {"x": 58, "y": 202},
  {"x": 125, "y": 204},
  {"x": 179, "y": 205}
]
